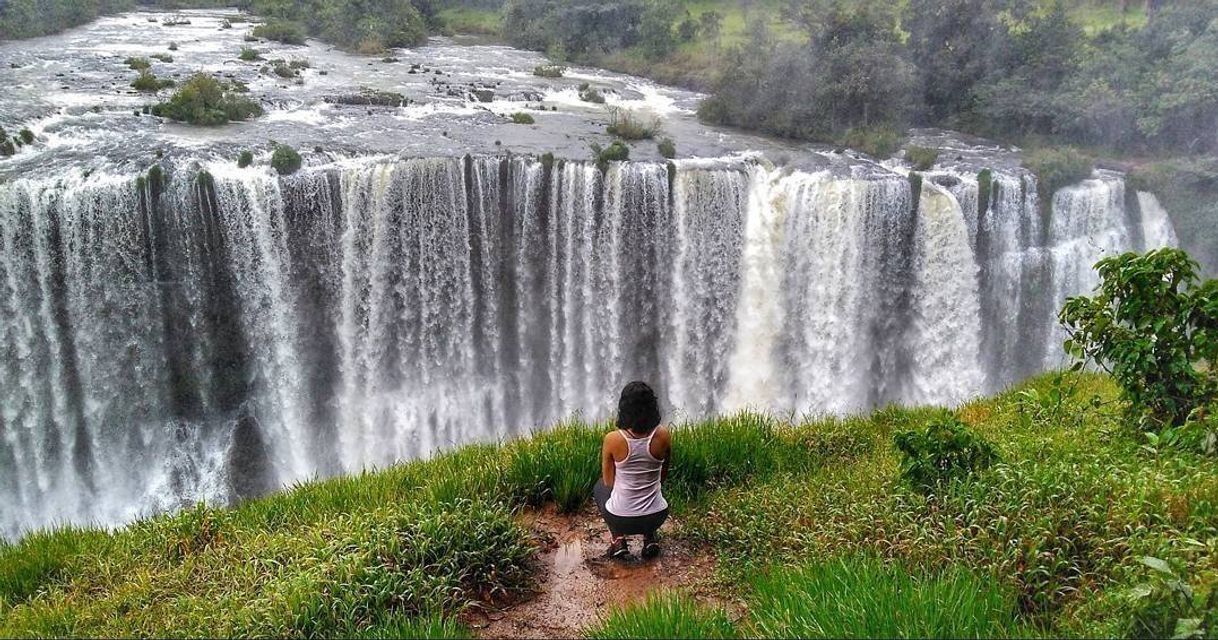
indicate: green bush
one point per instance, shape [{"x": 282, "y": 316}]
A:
[
  {"x": 283, "y": 70},
  {"x": 245, "y": 159},
  {"x": 7, "y": 148},
  {"x": 1154, "y": 326},
  {"x": 163, "y": 57},
  {"x": 204, "y": 100},
  {"x": 617, "y": 151},
  {"x": 26, "y": 136},
  {"x": 1166, "y": 606},
  {"x": 285, "y": 160},
  {"x": 284, "y": 31},
  {"x": 665, "y": 615},
  {"x": 865, "y": 597},
  {"x": 249, "y": 54},
  {"x": 588, "y": 93},
  {"x": 667, "y": 148},
  {"x": 149, "y": 83},
  {"x": 922, "y": 158},
  {"x": 549, "y": 70},
  {"x": 1056, "y": 168},
  {"x": 879, "y": 142},
  {"x": 627, "y": 125},
  {"x": 138, "y": 63},
  {"x": 521, "y": 117},
  {"x": 946, "y": 449}
]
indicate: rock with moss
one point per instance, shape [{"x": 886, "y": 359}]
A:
[
  {"x": 26, "y": 135},
  {"x": 1055, "y": 168},
  {"x": 245, "y": 159},
  {"x": 285, "y": 160},
  {"x": 163, "y": 57},
  {"x": 589, "y": 93},
  {"x": 204, "y": 100},
  {"x": 549, "y": 70},
  {"x": 521, "y": 117},
  {"x": 617, "y": 151}
]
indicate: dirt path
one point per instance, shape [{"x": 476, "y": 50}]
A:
[{"x": 579, "y": 585}]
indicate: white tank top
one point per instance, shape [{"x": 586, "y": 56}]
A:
[{"x": 636, "y": 483}]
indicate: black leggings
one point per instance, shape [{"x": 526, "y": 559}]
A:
[{"x": 627, "y": 525}]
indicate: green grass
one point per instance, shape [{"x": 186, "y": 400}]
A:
[
  {"x": 861, "y": 597},
  {"x": 469, "y": 20},
  {"x": 665, "y": 615}
]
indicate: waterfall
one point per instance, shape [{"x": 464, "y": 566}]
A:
[{"x": 192, "y": 335}]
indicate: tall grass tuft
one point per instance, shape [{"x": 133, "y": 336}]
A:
[
  {"x": 42, "y": 558},
  {"x": 560, "y": 465},
  {"x": 864, "y": 597},
  {"x": 666, "y": 615}
]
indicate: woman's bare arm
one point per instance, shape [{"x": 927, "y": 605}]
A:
[
  {"x": 666, "y": 442},
  {"x": 607, "y": 466}
]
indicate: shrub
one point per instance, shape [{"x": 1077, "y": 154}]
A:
[
  {"x": 879, "y": 142},
  {"x": 26, "y": 135},
  {"x": 627, "y": 125},
  {"x": 7, "y": 148},
  {"x": 299, "y": 63},
  {"x": 665, "y": 615},
  {"x": 1056, "y": 168},
  {"x": 944, "y": 450},
  {"x": 149, "y": 83},
  {"x": 521, "y": 117},
  {"x": 617, "y": 151},
  {"x": 245, "y": 159},
  {"x": 864, "y": 597},
  {"x": 922, "y": 158},
  {"x": 285, "y": 160},
  {"x": 204, "y": 100},
  {"x": 138, "y": 63},
  {"x": 283, "y": 70},
  {"x": 667, "y": 148},
  {"x": 1151, "y": 325},
  {"x": 249, "y": 54},
  {"x": 590, "y": 94},
  {"x": 1167, "y": 607},
  {"x": 163, "y": 57},
  {"x": 284, "y": 31},
  {"x": 549, "y": 70}
]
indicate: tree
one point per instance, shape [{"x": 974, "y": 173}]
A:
[
  {"x": 711, "y": 24},
  {"x": 655, "y": 28},
  {"x": 954, "y": 44},
  {"x": 1150, "y": 324}
]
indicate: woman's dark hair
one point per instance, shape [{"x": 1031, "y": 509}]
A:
[{"x": 638, "y": 409}]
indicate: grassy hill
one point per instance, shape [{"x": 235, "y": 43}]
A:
[{"x": 810, "y": 523}]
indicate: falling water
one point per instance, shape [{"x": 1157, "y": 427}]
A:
[{"x": 212, "y": 335}]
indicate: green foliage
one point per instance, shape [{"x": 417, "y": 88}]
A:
[
  {"x": 1055, "y": 168},
  {"x": 432, "y": 627},
  {"x": 149, "y": 83},
  {"x": 41, "y": 558},
  {"x": 922, "y": 158},
  {"x": 1188, "y": 188},
  {"x": 1151, "y": 324},
  {"x": 946, "y": 450},
  {"x": 283, "y": 70},
  {"x": 204, "y": 100},
  {"x": 163, "y": 57},
  {"x": 521, "y": 117},
  {"x": 249, "y": 54},
  {"x": 667, "y": 148},
  {"x": 285, "y": 160},
  {"x": 576, "y": 29},
  {"x": 879, "y": 142},
  {"x": 1166, "y": 606},
  {"x": 628, "y": 125},
  {"x": 245, "y": 159},
  {"x": 549, "y": 70},
  {"x": 138, "y": 63},
  {"x": 617, "y": 151},
  {"x": 26, "y": 136},
  {"x": 665, "y": 615},
  {"x": 285, "y": 31},
  {"x": 865, "y": 597},
  {"x": 588, "y": 93}
]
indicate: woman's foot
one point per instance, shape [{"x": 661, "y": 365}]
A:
[
  {"x": 618, "y": 549},
  {"x": 651, "y": 546}
]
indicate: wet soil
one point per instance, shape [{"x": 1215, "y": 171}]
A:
[{"x": 578, "y": 585}]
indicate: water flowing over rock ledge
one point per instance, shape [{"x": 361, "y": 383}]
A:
[{"x": 189, "y": 335}]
